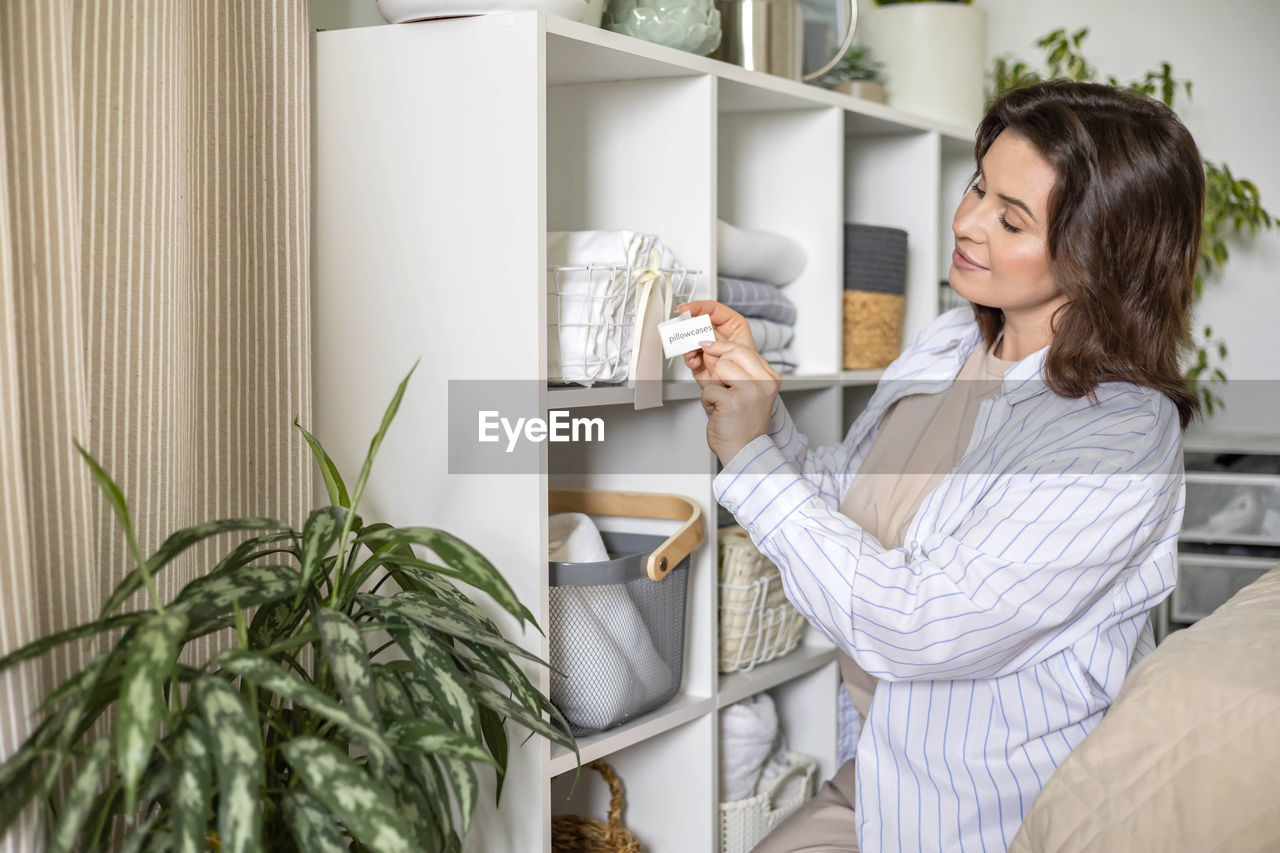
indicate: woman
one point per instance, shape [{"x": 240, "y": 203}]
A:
[{"x": 990, "y": 536}]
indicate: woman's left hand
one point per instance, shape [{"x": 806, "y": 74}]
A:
[{"x": 739, "y": 398}]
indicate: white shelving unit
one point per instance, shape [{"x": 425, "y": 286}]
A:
[
  {"x": 1216, "y": 561},
  {"x": 444, "y": 153}
]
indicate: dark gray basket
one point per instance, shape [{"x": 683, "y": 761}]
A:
[
  {"x": 617, "y": 637},
  {"x": 875, "y": 258}
]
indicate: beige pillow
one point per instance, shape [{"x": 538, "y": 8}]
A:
[{"x": 1188, "y": 757}]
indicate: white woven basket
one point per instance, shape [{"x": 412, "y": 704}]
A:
[
  {"x": 757, "y": 622},
  {"x": 745, "y": 823}
]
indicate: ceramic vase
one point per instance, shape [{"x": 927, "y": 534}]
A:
[{"x": 933, "y": 55}]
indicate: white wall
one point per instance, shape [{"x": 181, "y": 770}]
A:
[{"x": 1228, "y": 50}]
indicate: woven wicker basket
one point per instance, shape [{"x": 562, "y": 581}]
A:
[
  {"x": 574, "y": 834},
  {"x": 757, "y": 622},
  {"x": 745, "y": 823},
  {"x": 872, "y": 329}
]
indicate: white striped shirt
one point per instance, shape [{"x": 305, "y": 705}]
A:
[{"x": 1002, "y": 630}]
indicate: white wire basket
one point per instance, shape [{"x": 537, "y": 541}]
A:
[
  {"x": 757, "y": 622},
  {"x": 745, "y": 823},
  {"x": 591, "y": 318}
]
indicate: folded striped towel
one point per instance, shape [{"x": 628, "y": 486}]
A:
[
  {"x": 756, "y": 299},
  {"x": 769, "y": 335},
  {"x": 782, "y": 360}
]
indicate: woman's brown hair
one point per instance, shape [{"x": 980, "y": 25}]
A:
[{"x": 1125, "y": 216}]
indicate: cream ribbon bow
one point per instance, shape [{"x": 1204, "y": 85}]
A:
[{"x": 653, "y": 305}]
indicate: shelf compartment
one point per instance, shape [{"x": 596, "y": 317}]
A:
[
  {"x": 577, "y": 53},
  {"x": 1231, "y": 508},
  {"x": 808, "y": 656},
  {"x": 775, "y": 173},
  {"x": 1206, "y": 581},
  {"x": 669, "y": 782},
  {"x": 680, "y": 710},
  {"x": 893, "y": 180}
]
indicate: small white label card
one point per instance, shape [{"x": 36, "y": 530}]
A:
[{"x": 684, "y": 333}]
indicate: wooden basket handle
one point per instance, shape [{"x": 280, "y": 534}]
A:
[{"x": 640, "y": 505}]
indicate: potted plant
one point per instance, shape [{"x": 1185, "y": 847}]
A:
[
  {"x": 1232, "y": 206},
  {"x": 933, "y": 53},
  {"x": 856, "y": 73},
  {"x": 305, "y": 735}
]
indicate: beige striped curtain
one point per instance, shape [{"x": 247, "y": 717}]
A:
[{"x": 154, "y": 195}]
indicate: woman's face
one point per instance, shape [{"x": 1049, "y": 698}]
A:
[{"x": 1001, "y": 257}]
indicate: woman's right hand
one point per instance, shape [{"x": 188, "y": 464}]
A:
[{"x": 728, "y": 325}]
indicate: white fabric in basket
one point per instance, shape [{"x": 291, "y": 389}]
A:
[
  {"x": 600, "y": 644},
  {"x": 748, "y": 733},
  {"x": 591, "y": 329},
  {"x": 572, "y": 537}
]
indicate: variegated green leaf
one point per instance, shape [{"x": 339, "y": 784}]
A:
[
  {"x": 258, "y": 548},
  {"x": 75, "y": 808},
  {"x": 210, "y": 595},
  {"x": 74, "y": 723},
  {"x": 275, "y": 621},
  {"x": 495, "y": 739},
  {"x": 18, "y": 773},
  {"x": 313, "y": 828},
  {"x": 420, "y": 609},
  {"x": 436, "y": 738},
  {"x": 144, "y": 834},
  {"x": 511, "y": 677},
  {"x": 507, "y": 707},
  {"x": 436, "y": 790},
  {"x": 439, "y": 674},
  {"x": 348, "y": 659},
  {"x": 192, "y": 782},
  {"x": 115, "y": 497},
  {"x": 332, "y": 479},
  {"x": 44, "y": 644},
  {"x": 149, "y": 663},
  {"x": 393, "y": 697},
  {"x": 359, "y": 801},
  {"x": 271, "y": 676},
  {"x": 176, "y": 544},
  {"x": 318, "y": 536},
  {"x": 237, "y": 757},
  {"x": 466, "y": 788},
  {"x": 387, "y": 417},
  {"x": 423, "y": 820},
  {"x": 464, "y": 562}
]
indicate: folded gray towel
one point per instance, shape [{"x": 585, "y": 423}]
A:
[
  {"x": 756, "y": 299},
  {"x": 781, "y": 360},
  {"x": 769, "y": 335}
]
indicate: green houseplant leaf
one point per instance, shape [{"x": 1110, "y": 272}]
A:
[
  {"x": 304, "y": 736},
  {"x": 148, "y": 665},
  {"x": 338, "y": 782}
]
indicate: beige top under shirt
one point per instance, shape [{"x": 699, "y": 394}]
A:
[{"x": 919, "y": 442}]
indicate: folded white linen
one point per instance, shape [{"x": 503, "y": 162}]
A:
[
  {"x": 591, "y": 314},
  {"x": 604, "y": 664},
  {"x": 769, "y": 335},
  {"x": 758, "y": 255},
  {"x": 573, "y": 537},
  {"x": 748, "y": 732},
  {"x": 774, "y": 766}
]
